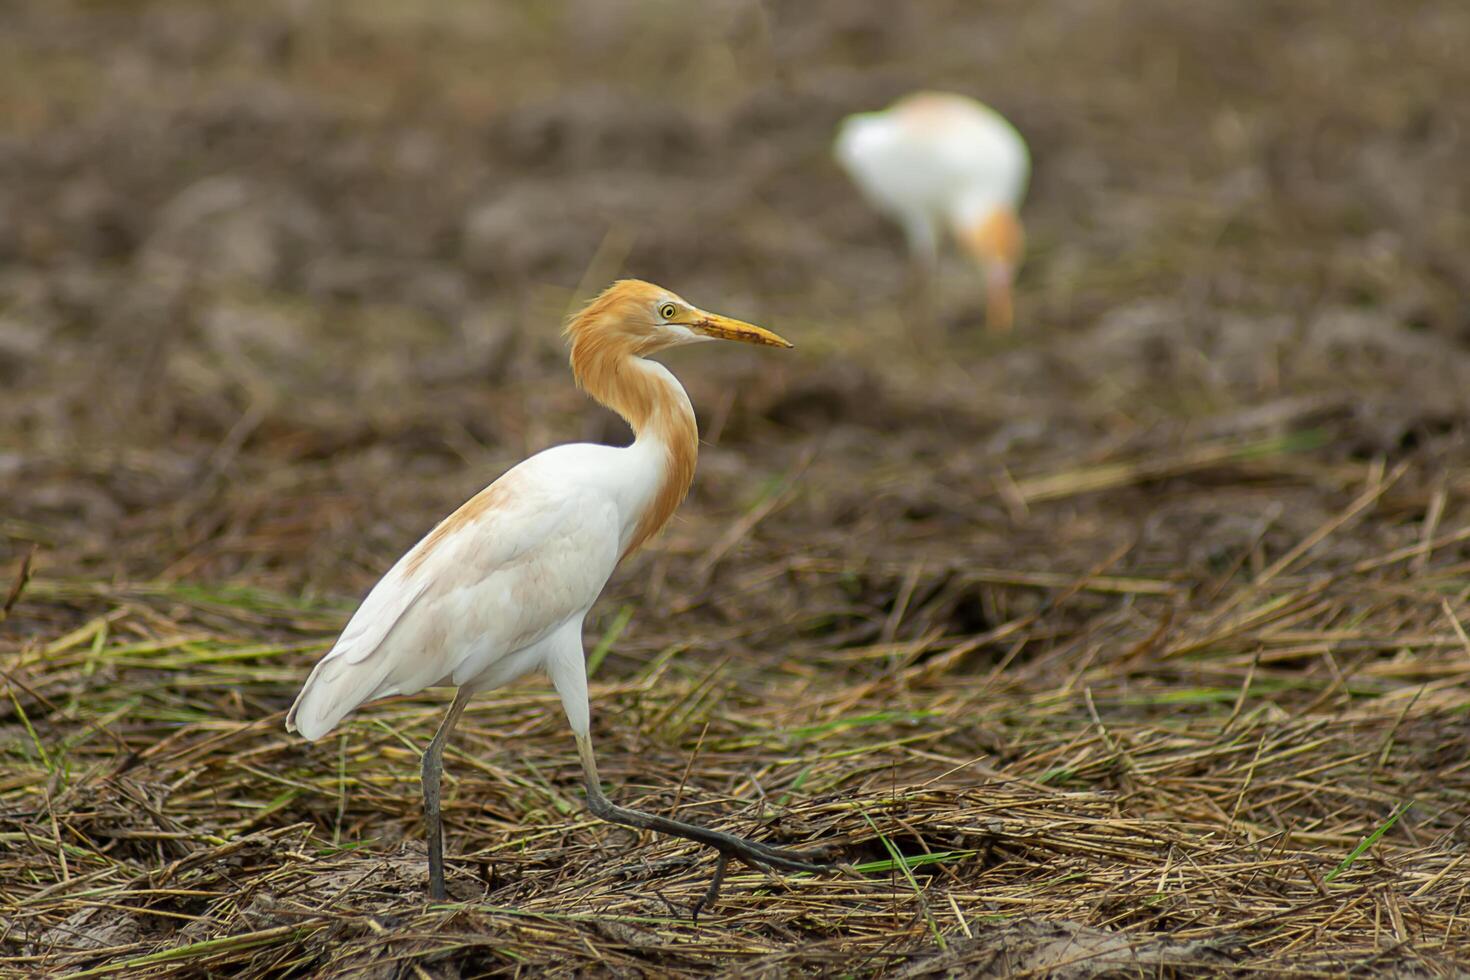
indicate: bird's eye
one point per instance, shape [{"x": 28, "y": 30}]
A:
[{"x": 668, "y": 311}]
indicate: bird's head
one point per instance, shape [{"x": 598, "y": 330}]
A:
[
  {"x": 633, "y": 317},
  {"x": 996, "y": 241}
]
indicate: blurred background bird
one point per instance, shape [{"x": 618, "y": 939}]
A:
[
  {"x": 501, "y": 586},
  {"x": 937, "y": 162}
]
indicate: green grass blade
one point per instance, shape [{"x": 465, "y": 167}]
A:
[
  {"x": 609, "y": 637},
  {"x": 1370, "y": 840}
]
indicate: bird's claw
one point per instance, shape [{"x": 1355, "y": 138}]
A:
[
  {"x": 775, "y": 860},
  {"x": 713, "y": 891},
  {"x": 762, "y": 857}
]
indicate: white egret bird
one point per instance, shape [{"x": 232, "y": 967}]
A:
[
  {"x": 934, "y": 161},
  {"x": 501, "y": 586}
]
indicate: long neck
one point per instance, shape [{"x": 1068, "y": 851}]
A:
[{"x": 653, "y": 402}]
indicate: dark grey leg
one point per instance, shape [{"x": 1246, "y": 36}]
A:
[
  {"x": 753, "y": 853},
  {"x": 433, "y": 767}
]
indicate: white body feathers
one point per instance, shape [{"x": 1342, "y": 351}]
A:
[
  {"x": 934, "y": 161},
  {"x": 500, "y": 588}
]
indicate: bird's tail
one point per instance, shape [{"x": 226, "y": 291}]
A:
[{"x": 334, "y": 690}]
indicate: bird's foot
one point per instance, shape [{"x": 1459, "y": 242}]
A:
[
  {"x": 757, "y": 854},
  {"x": 762, "y": 857}
]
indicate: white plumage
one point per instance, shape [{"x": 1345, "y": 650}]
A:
[
  {"x": 937, "y": 162},
  {"x": 481, "y": 605}
]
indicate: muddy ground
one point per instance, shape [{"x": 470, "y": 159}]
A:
[{"x": 1128, "y": 644}]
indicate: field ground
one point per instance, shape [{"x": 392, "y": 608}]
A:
[{"x": 1130, "y": 644}]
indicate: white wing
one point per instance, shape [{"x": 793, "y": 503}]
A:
[
  {"x": 499, "y": 575},
  {"x": 987, "y": 162},
  {"x": 925, "y": 154},
  {"x": 897, "y": 175}
]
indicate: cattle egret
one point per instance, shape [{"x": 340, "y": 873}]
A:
[
  {"x": 934, "y": 161},
  {"x": 502, "y": 585}
]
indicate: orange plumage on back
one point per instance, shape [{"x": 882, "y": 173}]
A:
[{"x": 498, "y": 494}]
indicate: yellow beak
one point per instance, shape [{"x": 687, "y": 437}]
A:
[{"x": 724, "y": 328}]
